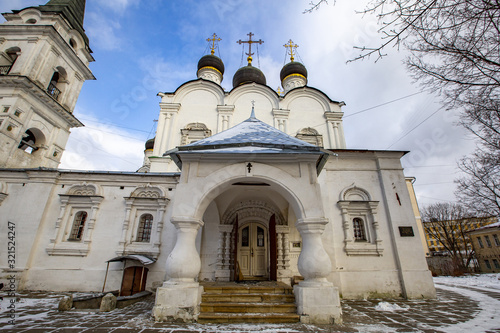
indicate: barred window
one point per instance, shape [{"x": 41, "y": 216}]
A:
[
  {"x": 480, "y": 242},
  {"x": 359, "y": 229},
  {"x": 145, "y": 226},
  {"x": 497, "y": 241},
  {"x": 78, "y": 226}
]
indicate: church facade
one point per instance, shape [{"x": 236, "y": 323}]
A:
[{"x": 246, "y": 184}]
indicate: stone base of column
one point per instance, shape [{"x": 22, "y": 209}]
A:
[
  {"x": 318, "y": 303},
  {"x": 178, "y": 302}
]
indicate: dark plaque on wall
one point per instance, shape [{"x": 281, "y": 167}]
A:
[{"x": 406, "y": 232}]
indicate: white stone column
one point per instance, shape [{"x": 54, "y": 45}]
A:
[
  {"x": 179, "y": 298},
  {"x": 280, "y": 119},
  {"x": 317, "y": 299},
  {"x": 282, "y": 244},
  {"x": 336, "y": 137},
  {"x": 224, "y": 115}
]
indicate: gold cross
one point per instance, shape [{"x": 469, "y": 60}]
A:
[
  {"x": 292, "y": 46},
  {"x": 250, "y": 42},
  {"x": 279, "y": 91},
  {"x": 214, "y": 39}
]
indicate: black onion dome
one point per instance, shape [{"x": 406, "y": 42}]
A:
[
  {"x": 210, "y": 60},
  {"x": 150, "y": 143},
  {"x": 248, "y": 74},
  {"x": 293, "y": 68}
]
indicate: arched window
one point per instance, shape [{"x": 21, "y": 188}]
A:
[
  {"x": 32, "y": 139},
  {"x": 54, "y": 88},
  {"x": 310, "y": 135},
  {"x": 145, "y": 226},
  {"x": 78, "y": 226},
  {"x": 358, "y": 227},
  {"x": 8, "y": 59},
  {"x": 194, "y": 132}
]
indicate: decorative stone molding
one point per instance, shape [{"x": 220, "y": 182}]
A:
[
  {"x": 194, "y": 132},
  {"x": 311, "y": 136},
  {"x": 356, "y": 203},
  {"x": 146, "y": 199},
  {"x": 255, "y": 208},
  {"x": 225, "y": 114},
  {"x": 83, "y": 197},
  {"x": 335, "y": 129},
  {"x": 281, "y": 119}
]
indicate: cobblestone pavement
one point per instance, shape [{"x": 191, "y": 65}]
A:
[{"x": 457, "y": 309}]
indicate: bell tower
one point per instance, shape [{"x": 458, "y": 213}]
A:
[{"x": 44, "y": 58}]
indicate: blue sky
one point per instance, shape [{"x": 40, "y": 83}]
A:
[{"x": 145, "y": 47}]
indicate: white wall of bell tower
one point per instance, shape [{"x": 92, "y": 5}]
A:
[{"x": 43, "y": 65}]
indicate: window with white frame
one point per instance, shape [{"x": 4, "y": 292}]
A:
[
  {"x": 194, "y": 132},
  {"x": 360, "y": 224},
  {"x": 75, "y": 224},
  {"x": 143, "y": 224}
]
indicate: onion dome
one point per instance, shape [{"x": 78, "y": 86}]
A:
[
  {"x": 293, "y": 68},
  {"x": 211, "y": 61},
  {"x": 150, "y": 143},
  {"x": 211, "y": 68},
  {"x": 248, "y": 74},
  {"x": 293, "y": 75}
]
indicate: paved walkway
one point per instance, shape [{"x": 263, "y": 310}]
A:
[{"x": 457, "y": 309}]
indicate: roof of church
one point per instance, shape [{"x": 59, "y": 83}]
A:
[
  {"x": 72, "y": 10},
  {"x": 254, "y": 133}
]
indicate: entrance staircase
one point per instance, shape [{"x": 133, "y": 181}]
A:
[{"x": 262, "y": 302}]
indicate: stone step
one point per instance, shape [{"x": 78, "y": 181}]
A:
[
  {"x": 248, "y": 298},
  {"x": 248, "y": 290},
  {"x": 263, "y": 308},
  {"x": 274, "y": 318}
]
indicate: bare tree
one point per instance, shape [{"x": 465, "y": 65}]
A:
[
  {"x": 479, "y": 189},
  {"x": 448, "y": 224}
]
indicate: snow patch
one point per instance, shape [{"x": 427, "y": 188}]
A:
[
  {"x": 483, "y": 320},
  {"x": 490, "y": 281},
  {"x": 385, "y": 306}
]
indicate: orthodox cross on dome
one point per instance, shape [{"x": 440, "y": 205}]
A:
[
  {"x": 215, "y": 42},
  {"x": 290, "y": 45},
  {"x": 252, "y": 115},
  {"x": 250, "y": 42}
]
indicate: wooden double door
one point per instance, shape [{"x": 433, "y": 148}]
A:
[
  {"x": 253, "y": 247},
  {"x": 134, "y": 280}
]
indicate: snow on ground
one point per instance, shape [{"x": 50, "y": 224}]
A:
[
  {"x": 385, "y": 306},
  {"x": 483, "y": 320},
  {"x": 472, "y": 280}
]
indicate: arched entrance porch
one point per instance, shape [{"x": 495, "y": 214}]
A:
[{"x": 253, "y": 240}]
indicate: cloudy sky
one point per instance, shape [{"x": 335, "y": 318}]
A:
[{"x": 143, "y": 47}]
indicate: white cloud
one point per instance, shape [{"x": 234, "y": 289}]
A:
[
  {"x": 119, "y": 6},
  {"x": 102, "y": 147},
  {"x": 102, "y": 31}
]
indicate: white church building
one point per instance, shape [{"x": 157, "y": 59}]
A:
[{"x": 236, "y": 185}]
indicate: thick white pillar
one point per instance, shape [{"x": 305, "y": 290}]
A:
[
  {"x": 318, "y": 301},
  {"x": 179, "y": 298}
]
